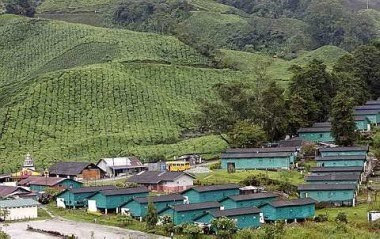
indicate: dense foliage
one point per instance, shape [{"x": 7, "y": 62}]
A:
[{"x": 21, "y": 7}]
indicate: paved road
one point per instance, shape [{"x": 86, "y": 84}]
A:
[{"x": 80, "y": 229}]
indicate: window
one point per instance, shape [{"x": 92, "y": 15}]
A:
[{"x": 320, "y": 135}]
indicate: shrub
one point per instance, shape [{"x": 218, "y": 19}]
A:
[
  {"x": 275, "y": 231},
  {"x": 321, "y": 218},
  {"x": 224, "y": 227},
  {"x": 192, "y": 231},
  {"x": 124, "y": 220},
  {"x": 341, "y": 217},
  {"x": 152, "y": 216},
  {"x": 217, "y": 165}
]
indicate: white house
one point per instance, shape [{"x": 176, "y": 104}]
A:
[
  {"x": 121, "y": 166},
  {"x": 18, "y": 209}
]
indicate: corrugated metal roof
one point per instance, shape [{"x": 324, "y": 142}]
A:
[
  {"x": 69, "y": 168},
  {"x": 261, "y": 150},
  {"x": 235, "y": 212},
  {"x": 196, "y": 206},
  {"x": 367, "y": 107},
  {"x": 91, "y": 189},
  {"x": 252, "y": 196},
  {"x": 214, "y": 187},
  {"x": 255, "y": 155},
  {"x": 373, "y": 102},
  {"x": 154, "y": 177},
  {"x": 341, "y": 157},
  {"x": 323, "y": 187},
  {"x": 20, "y": 202},
  {"x": 344, "y": 149},
  {"x": 161, "y": 198},
  {"x": 333, "y": 177},
  {"x": 322, "y": 125},
  {"x": 293, "y": 202},
  {"x": 45, "y": 181},
  {"x": 366, "y": 112},
  {"x": 314, "y": 130},
  {"x": 336, "y": 169},
  {"x": 7, "y": 190}
]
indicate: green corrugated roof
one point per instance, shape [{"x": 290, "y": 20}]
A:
[{"x": 21, "y": 202}]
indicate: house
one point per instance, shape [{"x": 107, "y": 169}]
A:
[
  {"x": 210, "y": 193},
  {"x": 262, "y": 150},
  {"x": 186, "y": 213},
  {"x": 76, "y": 170},
  {"x": 329, "y": 170},
  {"x": 12, "y": 191},
  {"x": 163, "y": 181},
  {"x": 138, "y": 206},
  {"x": 28, "y": 169},
  {"x": 121, "y": 166},
  {"x": 337, "y": 151},
  {"x": 289, "y": 210},
  {"x": 337, "y": 194},
  {"x": 248, "y": 200},
  {"x": 295, "y": 142},
  {"x": 342, "y": 161},
  {"x": 316, "y": 134},
  {"x": 372, "y": 115},
  {"x": 280, "y": 160},
  {"x": 77, "y": 197},
  {"x": 19, "y": 209},
  {"x": 341, "y": 178},
  {"x": 39, "y": 184},
  {"x": 113, "y": 199},
  {"x": 363, "y": 124},
  {"x": 248, "y": 217}
]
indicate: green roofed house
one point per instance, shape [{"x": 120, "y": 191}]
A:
[
  {"x": 39, "y": 184},
  {"x": 114, "y": 198},
  {"x": 337, "y": 194},
  {"x": 210, "y": 193},
  {"x": 343, "y": 151},
  {"x": 289, "y": 210},
  {"x": 248, "y": 200},
  {"x": 342, "y": 161},
  {"x": 316, "y": 134},
  {"x": 138, "y": 207},
  {"x": 248, "y": 217},
  {"x": 280, "y": 160},
  {"x": 77, "y": 197},
  {"x": 186, "y": 213},
  {"x": 373, "y": 115},
  {"x": 334, "y": 178},
  {"x": 363, "y": 124}
]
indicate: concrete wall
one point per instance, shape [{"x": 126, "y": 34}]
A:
[{"x": 21, "y": 213}]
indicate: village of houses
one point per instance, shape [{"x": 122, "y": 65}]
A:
[{"x": 335, "y": 180}]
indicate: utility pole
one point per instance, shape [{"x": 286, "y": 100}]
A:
[{"x": 367, "y": 4}]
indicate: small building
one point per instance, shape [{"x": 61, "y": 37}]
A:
[
  {"x": 342, "y": 161},
  {"x": 39, "y": 184},
  {"x": 138, "y": 206},
  {"x": 76, "y": 170},
  {"x": 210, "y": 193},
  {"x": 19, "y": 209},
  {"x": 163, "y": 181},
  {"x": 28, "y": 169},
  {"x": 363, "y": 124},
  {"x": 317, "y": 135},
  {"x": 329, "y": 170},
  {"x": 193, "y": 159},
  {"x": 251, "y": 189},
  {"x": 295, "y": 142},
  {"x": 113, "y": 199},
  {"x": 334, "y": 178},
  {"x": 337, "y": 194},
  {"x": 186, "y": 213},
  {"x": 77, "y": 197},
  {"x": 13, "y": 191},
  {"x": 248, "y": 217},
  {"x": 289, "y": 210},
  {"x": 248, "y": 200},
  {"x": 243, "y": 161},
  {"x": 372, "y": 115},
  {"x": 337, "y": 151},
  {"x": 121, "y": 166}
]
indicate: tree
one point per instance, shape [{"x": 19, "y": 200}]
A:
[
  {"x": 302, "y": 111},
  {"x": 3, "y": 213},
  {"x": 21, "y": 7},
  {"x": 343, "y": 124},
  {"x": 314, "y": 88},
  {"x": 246, "y": 135},
  {"x": 193, "y": 231},
  {"x": 152, "y": 217},
  {"x": 225, "y": 228}
]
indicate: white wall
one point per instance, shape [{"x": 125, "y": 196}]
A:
[
  {"x": 61, "y": 202},
  {"x": 181, "y": 181},
  {"x": 21, "y": 213},
  {"x": 92, "y": 206}
]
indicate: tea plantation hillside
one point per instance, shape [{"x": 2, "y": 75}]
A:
[{"x": 29, "y": 47}]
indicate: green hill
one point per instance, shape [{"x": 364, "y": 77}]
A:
[{"x": 77, "y": 92}]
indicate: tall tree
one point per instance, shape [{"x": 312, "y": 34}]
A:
[
  {"x": 21, "y": 7},
  {"x": 152, "y": 217},
  {"x": 342, "y": 120},
  {"x": 314, "y": 85},
  {"x": 246, "y": 135}
]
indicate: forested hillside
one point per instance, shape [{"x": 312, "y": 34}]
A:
[{"x": 88, "y": 79}]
